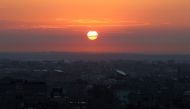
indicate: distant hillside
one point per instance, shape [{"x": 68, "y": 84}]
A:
[{"x": 90, "y": 56}]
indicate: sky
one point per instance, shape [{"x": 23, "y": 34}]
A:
[{"x": 129, "y": 26}]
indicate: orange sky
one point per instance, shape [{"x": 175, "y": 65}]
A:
[
  {"x": 96, "y": 12},
  {"x": 106, "y": 16}
]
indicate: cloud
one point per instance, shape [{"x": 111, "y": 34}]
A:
[
  {"x": 70, "y": 23},
  {"x": 145, "y": 40}
]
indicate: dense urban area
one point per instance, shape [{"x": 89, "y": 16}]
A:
[{"x": 114, "y": 84}]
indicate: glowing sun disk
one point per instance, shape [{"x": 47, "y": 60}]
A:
[{"x": 92, "y": 35}]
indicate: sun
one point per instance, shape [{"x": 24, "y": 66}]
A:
[{"x": 92, "y": 35}]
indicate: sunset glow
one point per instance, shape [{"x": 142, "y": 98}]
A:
[{"x": 127, "y": 25}]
